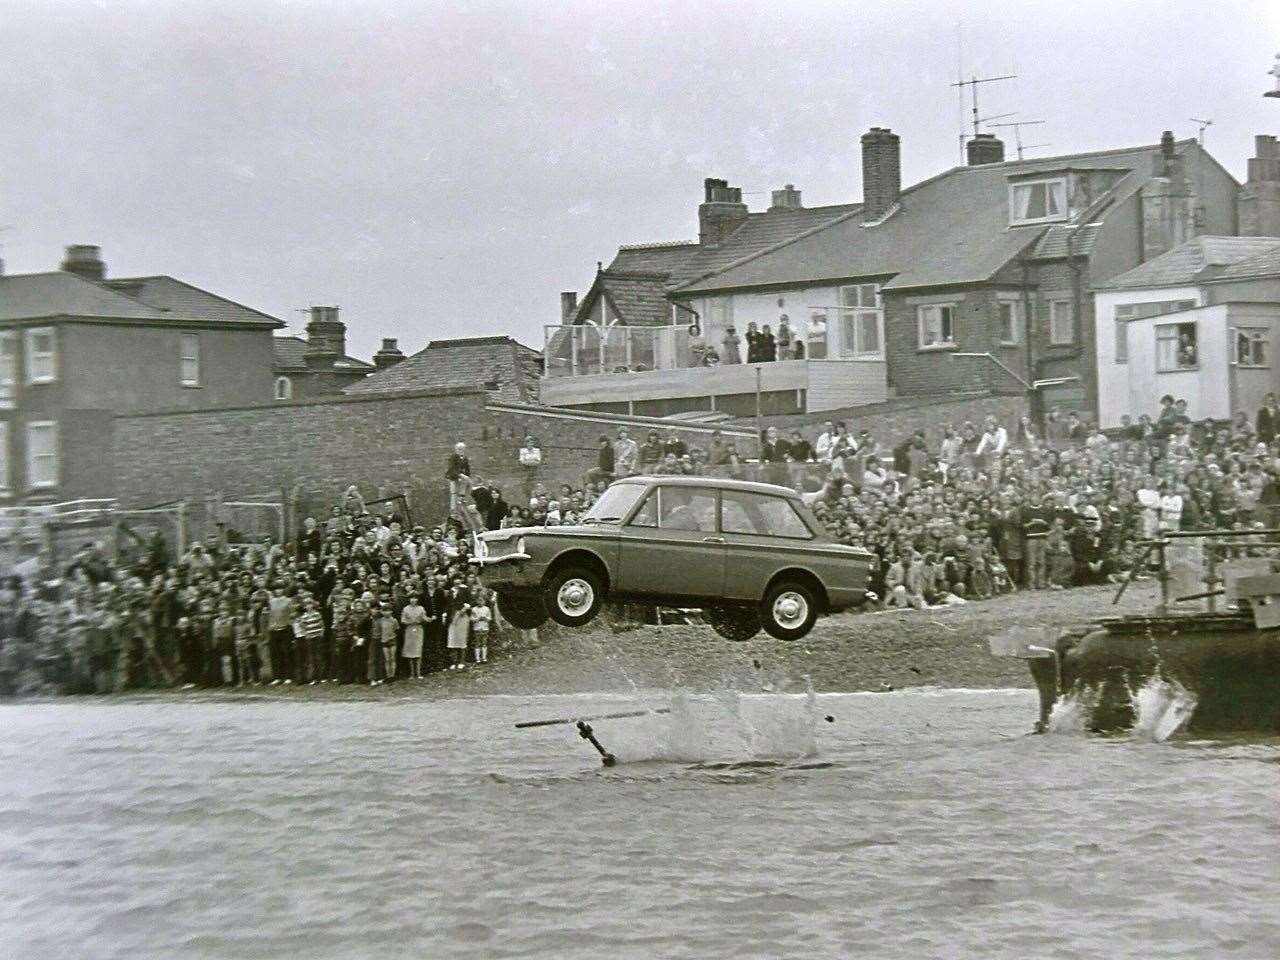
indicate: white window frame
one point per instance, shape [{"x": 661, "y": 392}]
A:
[
  {"x": 287, "y": 392},
  {"x": 1257, "y": 335},
  {"x": 32, "y": 427},
  {"x": 1018, "y": 308},
  {"x": 185, "y": 357},
  {"x": 49, "y": 357},
  {"x": 1056, "y": 308},
  {"x": 6, "y": 468},
  {"x": 10, "y": 362},
  {"x": 922, "y": 310},
  {"x": 1015, "y": 220},
  {"x": 863, "y": 295}
]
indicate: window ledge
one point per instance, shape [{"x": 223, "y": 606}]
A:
[
  {"x": 192, "y": 386},
  {"x": 1253, "y": 366},
  {"x": 1010, "y": 343},
  {"x": 937, "y": 347},
  {"x": 1180, "y": 369}
]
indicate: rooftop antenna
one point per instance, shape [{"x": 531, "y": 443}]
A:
[
  {"x": 972, "y": 84},
  {"x": 1203, "y": 124},
  {"x": 1017, "y": 134}
]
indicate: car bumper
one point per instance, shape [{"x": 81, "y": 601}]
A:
[{"x": 510, "y": 572}]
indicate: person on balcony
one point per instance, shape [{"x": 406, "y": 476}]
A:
[
  {"x": 732, "y": 346},
  {"x": 753, "y": 343},
  {"x": 627, "y": 454},
  {"x": 768, "y": 345}
]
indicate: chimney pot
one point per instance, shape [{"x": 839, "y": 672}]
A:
[
  {"x": 788, "y": 198},
  {"x": 85, "y": 260},
  {"x": 326, "y": 338},
  {"x": 984, "y": 148},
  {"x": 389, "y": 355},
  {"x": 721, "y": 213},
  {"x": 881, "y": 172}
]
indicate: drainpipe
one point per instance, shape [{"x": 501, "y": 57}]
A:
[
  {"x": 1029, "y": 321},
  {"x": 1077, "y": 314}
]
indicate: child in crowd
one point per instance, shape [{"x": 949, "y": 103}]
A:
[
  {"x": 389, "y": 635},
  {"x": 481, "y": 620}
]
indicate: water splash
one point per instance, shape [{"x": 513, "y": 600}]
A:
[
  {"x": 724, "y": 726},
  {"x": 1161, "y": 708},
  {"x": 1072, "y": 713}
]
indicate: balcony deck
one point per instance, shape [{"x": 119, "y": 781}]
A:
[{"x": 817, "y": 385}]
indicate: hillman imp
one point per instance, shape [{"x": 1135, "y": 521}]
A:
[{"x": 750, "y": 555}]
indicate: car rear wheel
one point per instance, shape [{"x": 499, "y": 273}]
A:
[
  {"x": 737, "y": 623},
  {"x": 524, "y": 611},
  {"x": 789, "y": 609},
  {"x": 573, "y": 595}
]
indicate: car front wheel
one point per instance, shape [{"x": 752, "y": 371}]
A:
[
  {"x": 737, "y": 623},
  {"x": 524, "y": 611},
  {"x": 573, "y": 596},
  {"x": 789, "y": 609}
]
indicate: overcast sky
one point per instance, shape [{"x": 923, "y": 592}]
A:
[{"x": 444, "y": 170}]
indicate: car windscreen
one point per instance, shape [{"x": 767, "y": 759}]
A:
[{"x": 614, "y": 503}]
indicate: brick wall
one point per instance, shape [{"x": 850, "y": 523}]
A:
[
  {"x": 385, "y": 443},
  {"x": 914, "y": 372}
]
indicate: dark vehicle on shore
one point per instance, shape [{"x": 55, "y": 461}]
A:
[{"x": 750, "y": 555}]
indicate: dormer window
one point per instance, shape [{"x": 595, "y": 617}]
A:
[{"x": 1037, "y": 201}]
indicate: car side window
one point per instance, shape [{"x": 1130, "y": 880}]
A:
[
  {"x": 761, "y": 515},
  {"x": 647, "y": 515},
  {"x": 682, "y": 508}
]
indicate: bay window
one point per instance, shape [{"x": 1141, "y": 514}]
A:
[{"x": 1253, "y": 347}]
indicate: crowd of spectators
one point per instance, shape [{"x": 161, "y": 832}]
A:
[
  {"x": 358, "y": 597},
  {"x": 969, "y": 511}
]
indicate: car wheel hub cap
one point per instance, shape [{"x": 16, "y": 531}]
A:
[
  {"x": 790, "y": 610},
  {"x": 575, "y": 597}
]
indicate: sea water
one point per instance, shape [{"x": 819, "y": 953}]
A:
[{"x": 915, "y": 824}]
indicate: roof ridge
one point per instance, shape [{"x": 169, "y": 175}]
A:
[
  {"x": 778, "y": 245},
  {"x": 107, "y": 282},
  {"x": 658, "y": 245}
]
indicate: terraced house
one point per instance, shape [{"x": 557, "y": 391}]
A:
[
  {"x": 77, "y": 348},
  {"x": 975, "y": 280}
]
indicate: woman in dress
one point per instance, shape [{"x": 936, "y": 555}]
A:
[
  {"x": 414, "y": 616},
  {"x": 459, "y": 627}
]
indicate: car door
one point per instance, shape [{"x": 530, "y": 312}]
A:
[
  {"x": 671, "y": 547},
  {"x": 763, "y": 533}
]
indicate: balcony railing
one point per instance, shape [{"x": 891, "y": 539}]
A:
[
  {"x": 581, "y": 350},
  {"x": 832, "y": 333}
]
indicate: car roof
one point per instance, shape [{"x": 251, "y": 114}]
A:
[{"x": 714, "y": 483}]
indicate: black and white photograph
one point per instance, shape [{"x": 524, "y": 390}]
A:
[{"x": 679, "y": 480}]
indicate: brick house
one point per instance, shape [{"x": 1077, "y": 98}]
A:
[
  {"x": 77, "y": 349},
  {"x": 318, "y": 365},
  {"x": 982, "y": 274}
]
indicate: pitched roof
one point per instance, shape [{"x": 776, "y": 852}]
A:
[
  {"x": 1061, "y": 240},
  {"x": 652, "y": 257},
  {"x": 180, "y": 299},
  {"x": 950, "y": 229},
  {"x": 1264, "y": 263},
  {"x": 33, "y": 295},
  {"x": 468, "y": 361},
  {"x": 760, "y": 232},
  {"x": 289, "y": 354},
  {"x": 1191, "y": 262}
]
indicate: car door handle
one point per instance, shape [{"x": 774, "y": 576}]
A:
[{"x": 713, "y": 539}]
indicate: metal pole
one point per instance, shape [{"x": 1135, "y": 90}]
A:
[{"x": 759, "y": 421}]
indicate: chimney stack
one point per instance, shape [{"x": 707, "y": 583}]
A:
[
  {"x": 326, "y": 338},
  {"x": 788, "y": 198},
  {"x": 1258, "y": 203},
  {"x": 389, "y": 355},
  {"x": 984, "y": 148},
  {"x": 85, "y": 260},
  {"x": 881, "y": 172},
  {"x": 721, "y": 212},
  {"x": 568, "y": 305}
]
